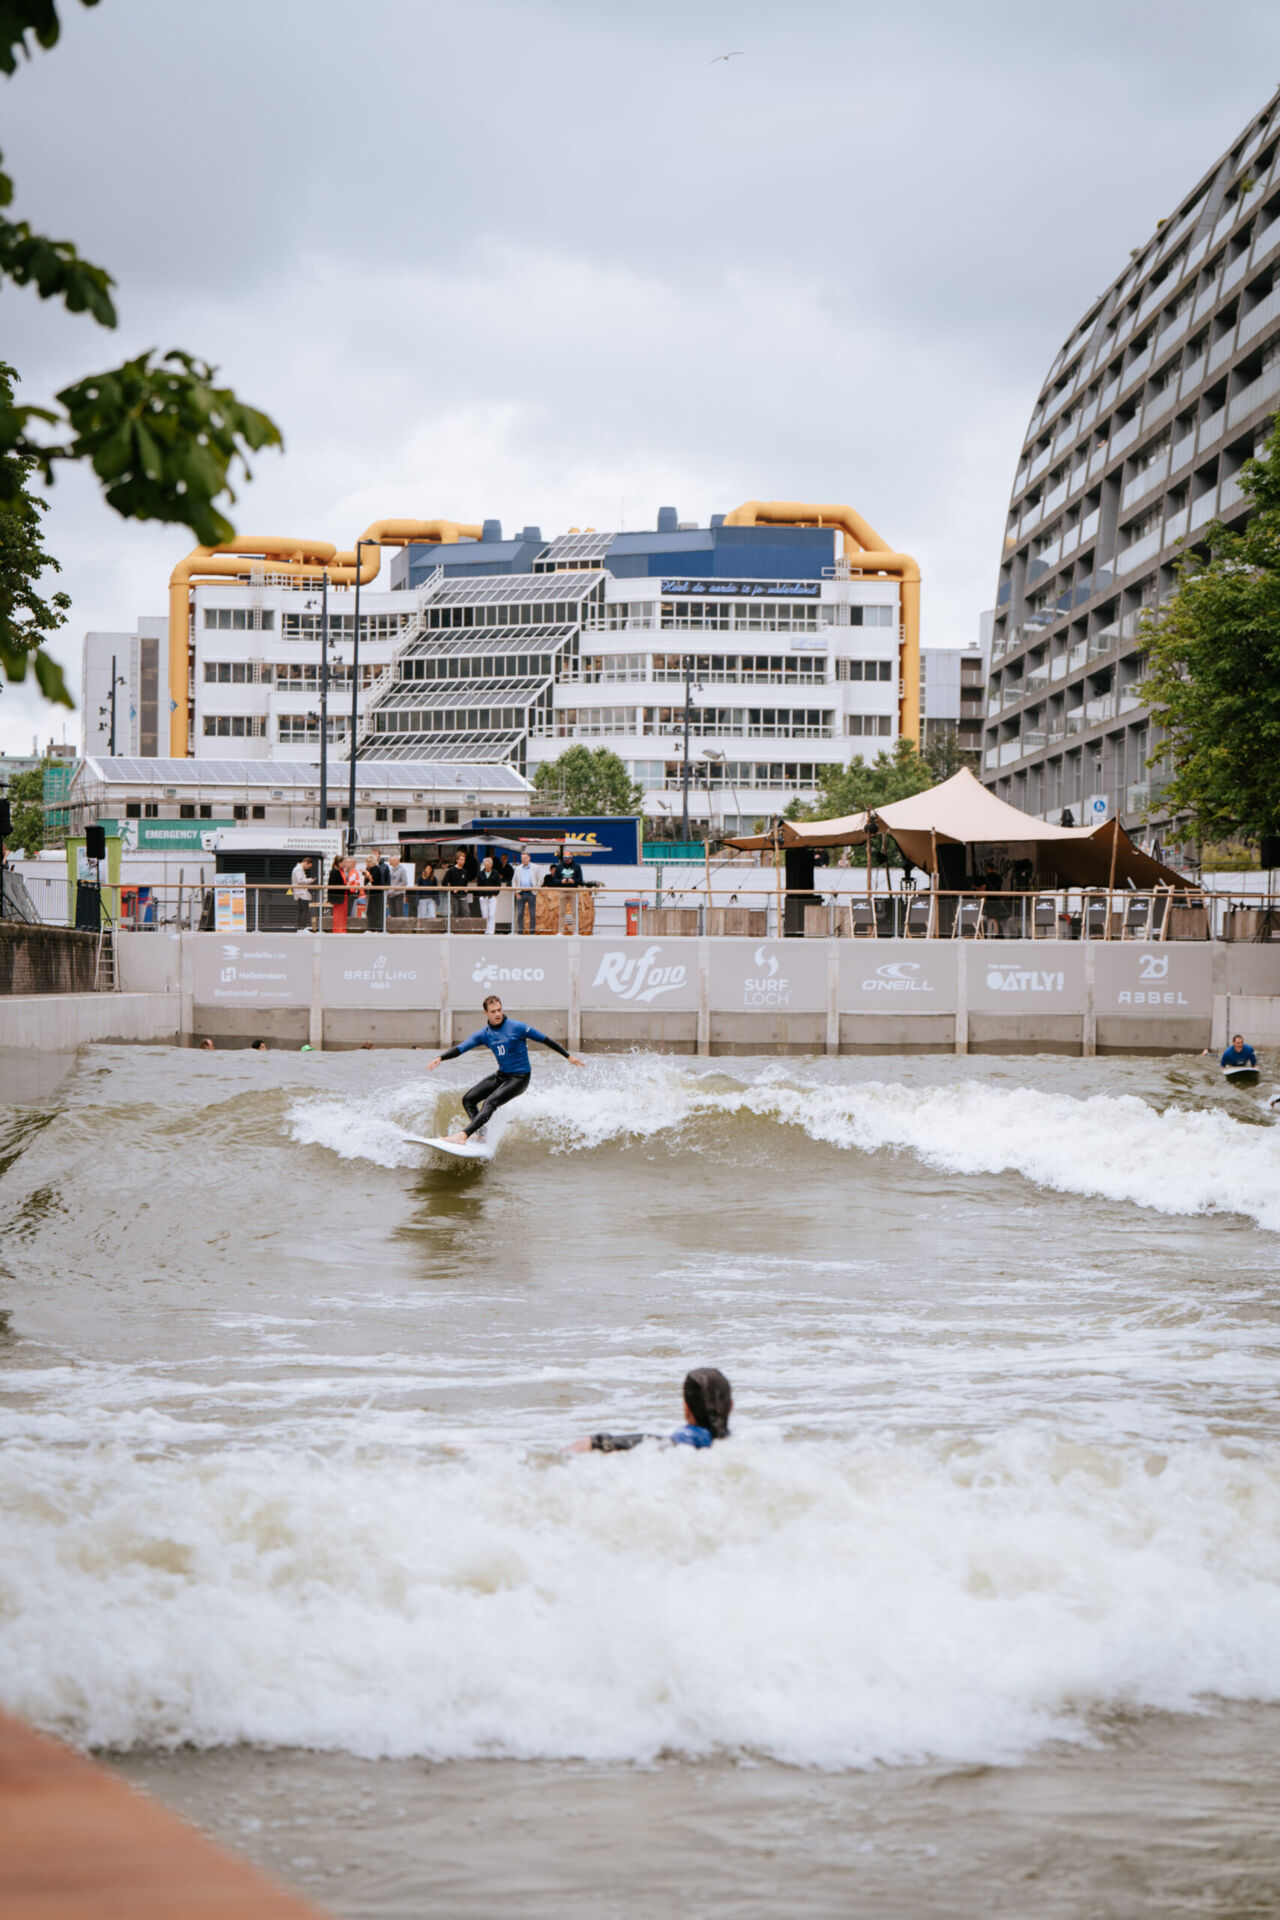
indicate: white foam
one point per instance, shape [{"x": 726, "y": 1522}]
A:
[
  {"x": 1178, "y": 1161},
  {"x": 830, "y": 1605}
]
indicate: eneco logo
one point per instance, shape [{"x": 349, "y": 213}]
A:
[
  {"x": 1002, "y": 977},
  {"x": 638, "y": 979},
  {"x": 897, "y": 976},
  {"x": 487, "y": 973}
]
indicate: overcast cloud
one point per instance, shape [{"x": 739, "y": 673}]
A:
[{"x": 539, "y": 260}]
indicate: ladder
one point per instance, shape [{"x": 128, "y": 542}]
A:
[{"x": 104, "y": 965}]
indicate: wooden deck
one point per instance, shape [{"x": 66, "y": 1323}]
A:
[{"x": 78, "y": 1844}]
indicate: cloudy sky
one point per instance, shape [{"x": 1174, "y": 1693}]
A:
[{"x": 541, "y": 260}]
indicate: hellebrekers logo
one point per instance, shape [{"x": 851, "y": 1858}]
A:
[
  {"x": 897, "y": 976},
  {"x": 639, "y": 979},
  {"x": 1005, "y": 977}
]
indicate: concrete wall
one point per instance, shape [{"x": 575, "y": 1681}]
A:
[
  {"x": 45, "y": 959},
  {"x": 715, "y": 996},
  {"x": 60, "y": 1022}
]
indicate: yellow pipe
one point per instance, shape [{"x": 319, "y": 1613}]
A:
[
  {"x": 238, "y": 559},
  {"x": 863, "y": 548}
]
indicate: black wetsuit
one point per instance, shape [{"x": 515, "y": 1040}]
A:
[{"x": 508, "y": 1044}]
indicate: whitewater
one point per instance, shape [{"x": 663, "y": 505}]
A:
[{"x": 283, "y": 1406}]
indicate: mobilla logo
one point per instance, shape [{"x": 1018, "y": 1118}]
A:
[
  {"x": 897, "y": 976},
  {"x": 639, "y": 979}
]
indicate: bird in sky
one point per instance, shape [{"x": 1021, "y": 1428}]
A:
[{"x": 736, "y": 54}]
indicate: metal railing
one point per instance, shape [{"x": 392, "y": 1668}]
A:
[{"x": 718, "y": 899}]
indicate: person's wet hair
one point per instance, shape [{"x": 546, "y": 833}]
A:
[{"x": 709, "y": 1398}]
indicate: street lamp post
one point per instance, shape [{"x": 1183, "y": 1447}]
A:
[
  {"x": 355, "y": 696},
  {"x": 324, "y": 700}
]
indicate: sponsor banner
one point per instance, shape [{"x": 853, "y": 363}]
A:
[
  {"x": 251, "y": 970},
  {"x": 897, "y": 976},
  {"x": 775, "y": 976},
  {"x": 639, "y": 974},
  {"x": 368, "y": 970},
  {"x": 1131, "y": 977},
  {"x": 228, "y": 903},
  {"x": 1011, "y": 976},
  {"x": 525, "y": 971}
]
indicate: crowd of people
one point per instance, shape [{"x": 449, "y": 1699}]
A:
[{"x": 373, "y": 890}]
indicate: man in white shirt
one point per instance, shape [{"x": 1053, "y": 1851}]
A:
[
  {"x": 401, "y": 881},
  {"x": 300, "y": 881},
  {"x": 525, "y": 881}
]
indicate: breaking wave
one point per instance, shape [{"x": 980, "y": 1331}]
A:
[
  {"x": 1118, "y": 1147},
  {"x": 831, "y": 1605}
]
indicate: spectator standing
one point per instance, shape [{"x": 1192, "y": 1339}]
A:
[
  {"x": 525, "y": 881},
  {"x": 458, "y": 880},
  {"x": 300, "y": 881},
  {"x": 338, "y": 895},
  {"x": 401, "y": 881},
  {"x": 378, "y": 878},
  {"x": 487, "y": 891}
]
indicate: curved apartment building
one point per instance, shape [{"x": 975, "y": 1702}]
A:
[{"x": 1167, "y": 385}]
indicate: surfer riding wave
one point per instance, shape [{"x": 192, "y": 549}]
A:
[{"x": 508, "y": 1042}]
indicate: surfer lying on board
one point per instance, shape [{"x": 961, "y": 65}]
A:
[
  {"x": 1239, "y": 1053},
  {"x": 708, "y": 1402},
  {"x": 507, "y": 1040}
]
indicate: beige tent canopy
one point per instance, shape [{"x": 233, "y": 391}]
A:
[{"x": 961, "y": 812}]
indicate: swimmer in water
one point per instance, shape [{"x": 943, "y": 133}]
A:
[
  {"x": 708, "y": 1402},
  {"x": 507, "y": 1040}
]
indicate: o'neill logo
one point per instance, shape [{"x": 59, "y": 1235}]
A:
[
  {"x": 1004, "y": 977},
  {"x": 487, "y": 973},
  {"x": 639, "y": 979},
  {"x": 897, "y": 976}
]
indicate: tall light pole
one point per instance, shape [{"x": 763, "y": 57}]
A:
[
  {"x": 324, "y": 700},
  {"x": 714, "y": 753},
  {"x": 355, "y": 696}
]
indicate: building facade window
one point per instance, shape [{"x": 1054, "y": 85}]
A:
[
  {"x": 234, "y": 726},
  {"x": 239, "y": 620}
]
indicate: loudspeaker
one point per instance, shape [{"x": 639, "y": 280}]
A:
[
  {"x": 1271, "y": 850},
  {"x": 6, "y": 820},
  {"x": 95, "y": 843}
]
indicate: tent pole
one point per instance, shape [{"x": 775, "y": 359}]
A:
[
  {"x": 933, "y": 893},
  {"x": 1111, "y": 877},
  {"x": 870, "y": 904},
  {"x": 706, "y": 856},
  {"x": 777, "y": 874}
]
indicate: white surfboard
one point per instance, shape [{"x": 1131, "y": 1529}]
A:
[
  {"x": 468, "y": 1150},
  {"x": 1242, "y": 1076}
]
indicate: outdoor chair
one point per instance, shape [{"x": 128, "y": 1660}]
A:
[
  {"x": 861, "y": 919},
  {"x": 1137, "y": 920},
  {"x": 1044, "y": 921},
  {"x": 1095, "y": 920},
  {"x": 969, "y": 920},
  {"x": 918, "y": 920}
]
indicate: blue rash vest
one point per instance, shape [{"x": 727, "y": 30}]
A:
[
  {"x": 507, "y": 1044},
  {"x": 691, "y": 1436},
  {"x": 1245, "y": 1058}
]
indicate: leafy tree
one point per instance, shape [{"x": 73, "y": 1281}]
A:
[
  {"x": 852, "y": 789},
  {"x": 586, "y": 780},
  {"x": 26, "y": 617},
  {"x": 26, "y": 791},
  {"x": 944, "y": 756},
  {"x": 161, "y": 437},
  {"x": 1213, "y": 675}
]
